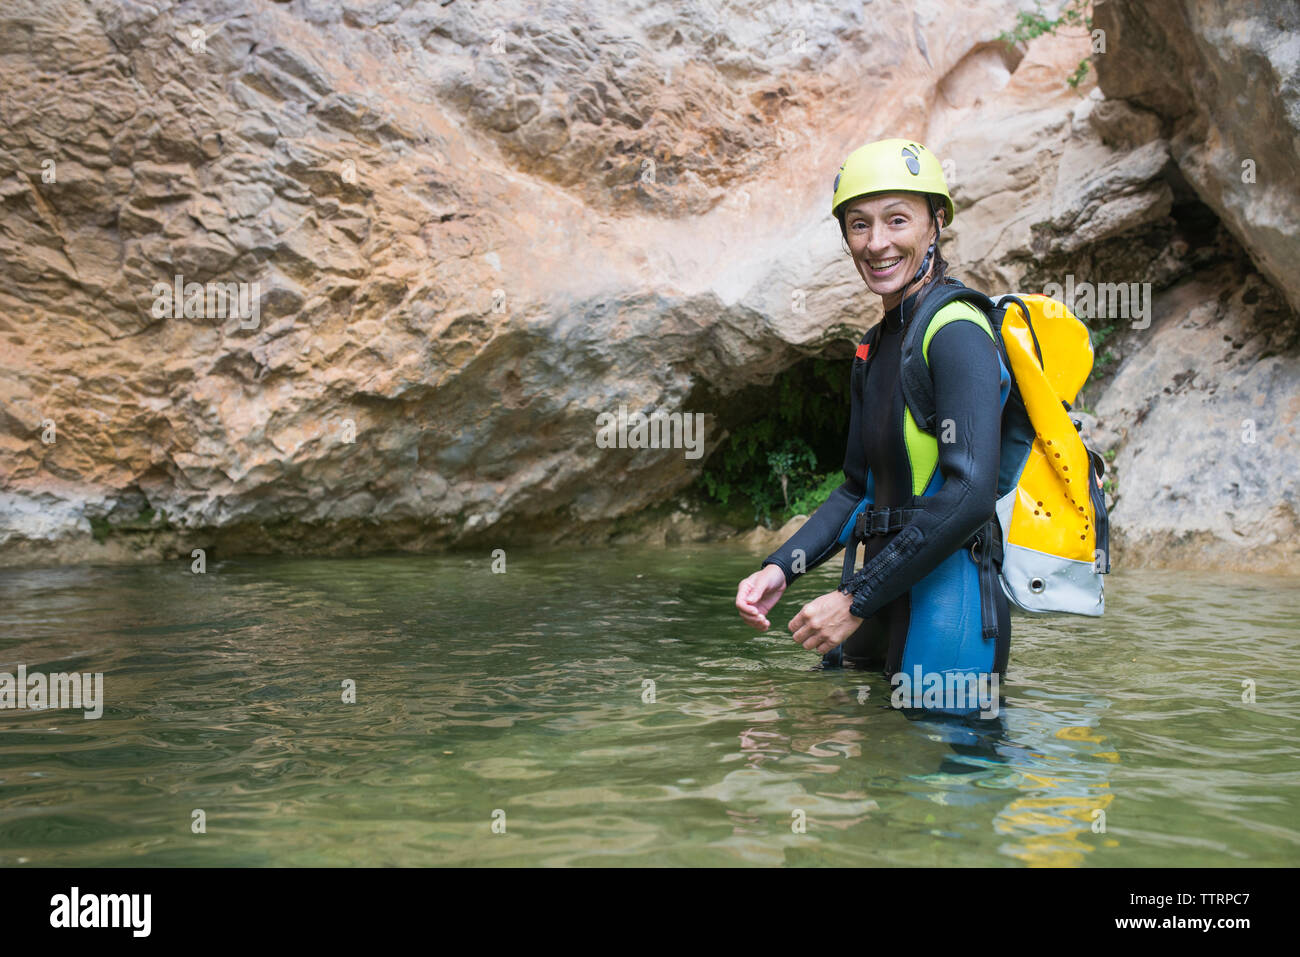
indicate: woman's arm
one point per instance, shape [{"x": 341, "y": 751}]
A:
[
  {"x": 964, "y": 363},
  {"x": 818, "y": 537}
]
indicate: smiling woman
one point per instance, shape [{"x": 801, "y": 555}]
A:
[
  {"x": 893, "y": 235},
  {"x": 886, "y": 236},
  {"x": 919, "y": 496}
]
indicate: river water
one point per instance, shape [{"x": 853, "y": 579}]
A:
[{"x": 608, "y": 707}]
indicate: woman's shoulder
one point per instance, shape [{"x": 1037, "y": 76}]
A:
[{"x": 956, "y": 311}]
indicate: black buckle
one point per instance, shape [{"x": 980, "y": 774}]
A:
[
  {"x": 882, "y": 520},
  {"x": 988, "y": 535},
  {"x": 879, "y": 522}
]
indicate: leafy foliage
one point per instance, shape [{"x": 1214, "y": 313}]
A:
[
  {"x": 1079, "y": 73},
  {"x": 794, "y": 460},
  {"x": 148, "y": 519},
  {"x": 1104, "y": 362},
  {"x": 813, "y": 497},
  {"x": 1076, "y": 13},
  {"x": 785, "y": 460}
]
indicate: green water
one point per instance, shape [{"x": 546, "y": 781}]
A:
[{"x": 521, "y": 698}]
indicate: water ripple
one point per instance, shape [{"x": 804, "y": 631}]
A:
[{"x": 609, "y": 708}]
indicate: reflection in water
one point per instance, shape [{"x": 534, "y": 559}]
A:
[
  {"x": 1066, "y": 788},
  {"x": 1060, "y": 774},
  {"x": 524, "y": 692}
]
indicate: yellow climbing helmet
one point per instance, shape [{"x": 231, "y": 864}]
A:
[{"x": 887, "y": 166}]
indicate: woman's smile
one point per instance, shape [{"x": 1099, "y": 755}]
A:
[{"x": 882, "y": 268}]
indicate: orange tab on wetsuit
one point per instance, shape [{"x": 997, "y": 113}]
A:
[{"x": 863, "y": 349}]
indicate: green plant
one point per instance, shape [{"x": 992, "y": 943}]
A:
[
  {"x": 775, "y": 458},
  {"x": 101, "y": 528},
  {"x": 1076, "y": 13},
  {"x": 1103, "y": 359},
  {"x": 815, "y": 495},
  {"x": 794, "y": 460},
  {"x": 1101, "y": 333}
]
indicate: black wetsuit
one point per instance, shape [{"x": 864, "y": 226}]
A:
[{"x": 957, "y": 501}]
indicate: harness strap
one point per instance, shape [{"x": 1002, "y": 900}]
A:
[
  {"x": 986, "y": 550},
  {"x": 875, "y": 520},
  {"x": 883, "y": 519}
]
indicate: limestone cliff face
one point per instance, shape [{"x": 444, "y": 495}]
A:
[
  {"x": 462, "y": 231},
  {"x": 1223, "y": 81}
]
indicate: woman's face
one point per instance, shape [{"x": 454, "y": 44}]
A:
[{"x": 888, "y": 235}]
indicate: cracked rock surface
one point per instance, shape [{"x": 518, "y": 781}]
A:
[{"x": 465, "y": 230}]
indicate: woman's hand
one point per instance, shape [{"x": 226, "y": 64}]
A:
[
  {"x": 825, "y": 622},
  {"x": 758, "y": 593}
]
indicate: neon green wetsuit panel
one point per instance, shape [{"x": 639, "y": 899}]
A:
[{"x": 923, "y": 448}]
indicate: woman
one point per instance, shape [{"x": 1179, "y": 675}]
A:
[{"x": 916, "y": 601}]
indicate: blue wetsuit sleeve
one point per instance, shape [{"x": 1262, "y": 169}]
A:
[
  {"x": 818, "y": 538},
  {"x": 964, "y": 364}
]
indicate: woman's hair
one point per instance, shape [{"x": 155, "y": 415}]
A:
[{"x": 938, "y": 269}]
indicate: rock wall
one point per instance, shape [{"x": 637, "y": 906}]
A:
[
  {"x": 1222, "y": 80},
  {"x": 1202, "y": 411},
  {"x": 465, "y": 230}
]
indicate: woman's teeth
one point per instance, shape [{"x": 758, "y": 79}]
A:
[{"x": 885, "y": 265}]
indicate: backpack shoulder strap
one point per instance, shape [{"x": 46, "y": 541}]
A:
[{"x": 918, "y": 385}]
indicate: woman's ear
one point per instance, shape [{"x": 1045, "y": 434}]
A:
[{"x": 940, "y": 215}]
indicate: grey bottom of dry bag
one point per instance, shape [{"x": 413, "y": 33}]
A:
[{"x": 1037, "y": 582}]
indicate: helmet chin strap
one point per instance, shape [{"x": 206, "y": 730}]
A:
[{"x": 925, "y": 263}]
